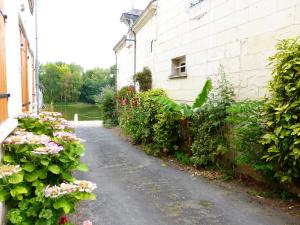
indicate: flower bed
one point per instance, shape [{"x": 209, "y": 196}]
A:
[{"x": 36, "y": 180}]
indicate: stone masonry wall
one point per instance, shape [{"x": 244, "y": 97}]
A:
[{"x": 239, "y": 34}]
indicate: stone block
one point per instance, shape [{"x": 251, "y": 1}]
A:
[
  {"x": 254, "y": 62},
  {"x": 261, "y": 43},
  {"x": 287, "y": 4},
  {"x": 215, "y": 54},
  {"x": 279, "y": 20},
  {"x": 197, "y": 70},
  {"x": 261, "y": 9},
  {"x": 213, "y": 68},
  {"x": 248, "y": 93},
  {"x": 197, "y": 58},
  {"x": 233, "y": 49},
  {"x": 297, "y": 14},
  {"x": 227, "y": 36},
  {"x": 231, "y": 65}
]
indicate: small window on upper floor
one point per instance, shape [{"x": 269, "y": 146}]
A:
[
  {"x": 179, "y": 68},
  {"x": 193, "y": 3}
]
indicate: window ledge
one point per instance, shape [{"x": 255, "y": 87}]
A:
[
  {"x": 180, "y": 76},
  {"x": 6, "y": 128}
]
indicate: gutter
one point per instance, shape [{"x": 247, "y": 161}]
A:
[
  {"x": 120, "y": 44},
  {"x": 37, "y": 89}
]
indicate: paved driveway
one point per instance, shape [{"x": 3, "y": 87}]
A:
[{"x": 136, "y": 189}]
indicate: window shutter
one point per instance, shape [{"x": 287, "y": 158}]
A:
[{"x": 3, "y": 88}]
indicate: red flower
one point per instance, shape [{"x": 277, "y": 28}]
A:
[
  {"x": 63, "y": 220},
  {"x": 124, "y": 102}
]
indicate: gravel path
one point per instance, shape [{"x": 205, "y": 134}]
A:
[{"x": 136, "y": 189}]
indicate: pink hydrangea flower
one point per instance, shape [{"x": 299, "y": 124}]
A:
[
  {"x": 28, "y": 116},
  {"x": 22, "y": 137},
  {"x": 69, "y": 188},
  {"x": 8, "y": 170},
  {"x": 52, "y": 192},
  {"x": 85, "y": 186},
  {"x": 67, "y": 136},
  {"x": 52, "y": 114},
  {"x": 87, "y": 222},
  {"x": 51, "y": 148}
]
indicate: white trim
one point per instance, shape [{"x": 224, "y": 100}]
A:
[
  {"x": 145, "y": 17},
  {"x": 6, "y": 128}
]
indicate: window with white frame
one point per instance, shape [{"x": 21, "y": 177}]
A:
[{"x": 179, "y": 67}]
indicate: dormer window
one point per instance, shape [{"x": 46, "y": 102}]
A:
[
  {"x": 31, "y": 5},
  {"x": 130, "y": 17},
  {"x": 193, "y": 3}
]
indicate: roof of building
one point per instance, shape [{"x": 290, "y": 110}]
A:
[
  {"x": 136, "y": 12},
  {"x": 138, "y": 17}
]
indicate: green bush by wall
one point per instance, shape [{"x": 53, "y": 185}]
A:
[{"x": 282, "y": 142}]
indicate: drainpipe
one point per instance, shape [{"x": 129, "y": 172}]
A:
[
  {"x": 37, "y": 89},
  {"x": 133, "y": 40},
  {"x": 134, "y": 34},
  {"x": 116, "y": 83},
  {"x": 117, "y": 71}
]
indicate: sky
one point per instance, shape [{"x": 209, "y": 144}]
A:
[{"x": 82, "y": 31}]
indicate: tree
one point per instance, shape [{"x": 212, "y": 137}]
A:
[
  {"x": 61, "y": 82},
  {"x": 93, "y": 82}
]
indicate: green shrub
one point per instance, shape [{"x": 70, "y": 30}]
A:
[
  {"x": 125, "y": 94},
  {"x": 108, "y": 106},
  {"x": 183, "y": 158},
  {"x": 283, "y": 112},
  {"x": 209, "y": 139},
  {"x": 183, "y": 113},
  {"x": 33, "y": 162},
  {"x": 138, "y": 116},
  {"x": 209, "y": 124},
  {"x": 136, "y": 124},
  {"x": 144, "y": 79},
  {"x": 247, "y": 121},
  {"x": 167, "y": 132}
]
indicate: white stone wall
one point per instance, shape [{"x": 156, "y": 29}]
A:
[
  {"x": 125, "y": 65},
  {"x": 13, "y": 57},
  {"x": 239, "y": 34},
  {"x": 13, "y": 66}
]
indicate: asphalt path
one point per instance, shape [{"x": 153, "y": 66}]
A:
[{"x": 137, "y": 189}]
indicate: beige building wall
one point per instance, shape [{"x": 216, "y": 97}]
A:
[
  {"x": 125, "y": 65},
  {"x": 239, "y": 34}
]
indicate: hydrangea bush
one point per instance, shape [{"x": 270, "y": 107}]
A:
[{"x": 36, "y": 178}]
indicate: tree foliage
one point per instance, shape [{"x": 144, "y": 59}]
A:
[
  {"x": 63, "y": 82},
  {"x": 282, "y": 110},
  {"x": 144, "y": 79},
  {"x": 94, "y": 81},
  {"x": 108, "y": 106}
]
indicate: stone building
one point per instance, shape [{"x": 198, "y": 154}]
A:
[{"x": 184, "y": 42}]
